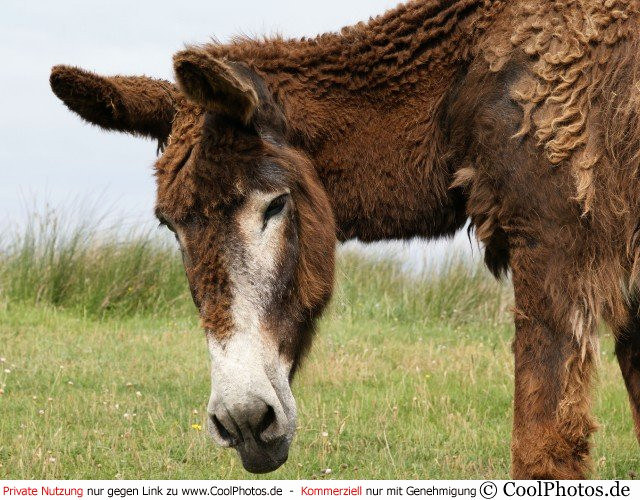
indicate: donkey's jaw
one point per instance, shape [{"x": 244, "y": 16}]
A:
[{"x": 251, "y": 408}]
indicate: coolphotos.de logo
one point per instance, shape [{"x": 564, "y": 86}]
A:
[{"x": 560, "y": 489}]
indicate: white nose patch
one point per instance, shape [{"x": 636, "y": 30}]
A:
[
  {"x": 246, "y": 373},
  {"x": 246, "y": 364}
]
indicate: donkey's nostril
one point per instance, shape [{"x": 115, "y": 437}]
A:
[
  {"x": 223, "y": 432},
  {"x": 267, "y": 429},
  {"x": 267, "y": 420}
]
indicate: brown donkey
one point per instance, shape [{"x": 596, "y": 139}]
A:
[{"x": 522, "y": 116}]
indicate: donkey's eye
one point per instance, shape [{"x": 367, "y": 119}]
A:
[
  {"x": 164, "y": 223},
  {"x": 275, "y": 207}
]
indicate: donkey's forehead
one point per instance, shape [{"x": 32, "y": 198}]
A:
[{"x": 207, "y": 168}]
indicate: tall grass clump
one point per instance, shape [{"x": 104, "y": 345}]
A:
[{"x": 91, "y": 270}]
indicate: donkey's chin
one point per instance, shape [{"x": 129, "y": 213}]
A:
[{"x": 260, "y": 458}]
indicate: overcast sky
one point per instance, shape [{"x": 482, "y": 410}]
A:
[{"x": 47, "y": 154}]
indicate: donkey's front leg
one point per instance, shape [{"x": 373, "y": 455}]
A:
[
  {"x": 628, "y": 353},
  {"x": 554, "y": 351}
]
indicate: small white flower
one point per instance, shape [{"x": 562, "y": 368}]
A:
[
  {"x": 70, "y": 382},
  {"x": 139, "y": 394},
  {"x": 6, "y": 370},
  {"x": 40, "y": 412},
  {"x": 2, "y": 360},
  {"x": 52, "y": 459},
  {"x": 325, "y": 434}
]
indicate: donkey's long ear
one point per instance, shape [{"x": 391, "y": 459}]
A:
[
  {"x": 134, "y": 104},
  {"x": 215, "y": 84}
]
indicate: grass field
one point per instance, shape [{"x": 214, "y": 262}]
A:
[{"x": 104, "y": 371}]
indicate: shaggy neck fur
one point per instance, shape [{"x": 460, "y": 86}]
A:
[{"x": 349, "y": 97}]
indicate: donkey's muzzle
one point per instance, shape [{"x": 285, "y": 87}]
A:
[
  {"x": 251, "y": 407},
  {"x": 259, "y": 431}
]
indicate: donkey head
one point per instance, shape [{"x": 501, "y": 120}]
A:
[{"x": 253, "y": 223}]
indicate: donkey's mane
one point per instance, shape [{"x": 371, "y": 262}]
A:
[{"x": 386, "y": 50}]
